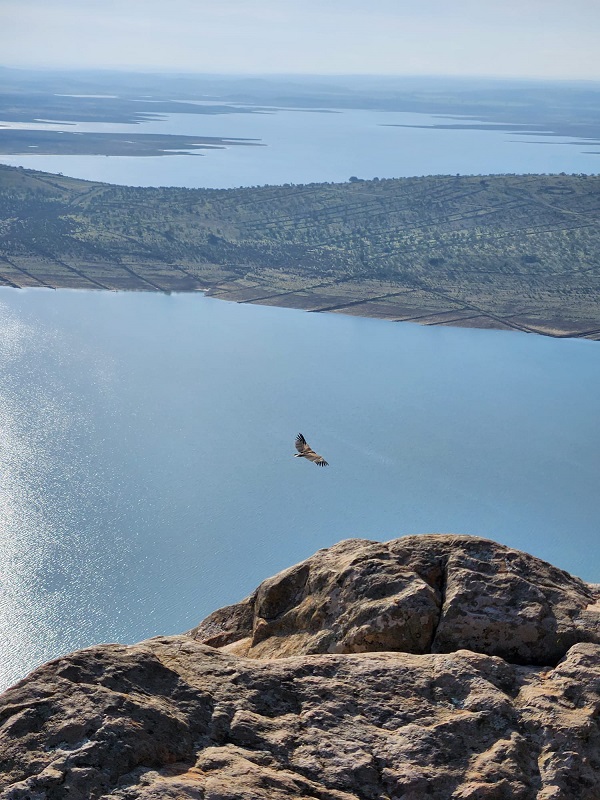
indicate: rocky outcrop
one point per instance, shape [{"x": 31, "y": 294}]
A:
[
  {"x": 419, "y": 594},
  {"x": 369, "y": 672}
]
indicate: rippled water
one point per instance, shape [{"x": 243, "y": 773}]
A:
[{"x": 146, "y": 441}]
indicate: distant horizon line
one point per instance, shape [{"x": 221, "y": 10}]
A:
[{"x": 313, "y": 75}]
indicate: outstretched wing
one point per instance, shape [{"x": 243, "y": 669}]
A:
[
  {"x": 307, "y": 452},
  {"x": 301, "y": 444}
]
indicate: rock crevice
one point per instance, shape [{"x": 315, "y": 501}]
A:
[{"x": 441, "y": 585}]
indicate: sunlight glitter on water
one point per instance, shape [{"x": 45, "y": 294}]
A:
[{"x": 43, "y": 483}]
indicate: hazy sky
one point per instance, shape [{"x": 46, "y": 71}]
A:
[{"x": 512, "y": 38}]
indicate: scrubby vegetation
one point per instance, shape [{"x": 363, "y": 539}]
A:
[{"x": 516, "y": 251}]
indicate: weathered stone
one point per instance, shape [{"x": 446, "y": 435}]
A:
[
  {"x": 418, "y": 594},
  {"x": 174, "y": 718}
]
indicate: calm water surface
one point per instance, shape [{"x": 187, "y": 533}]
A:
[
  {"x": 146, "y": 441},
  {"x": 306, "y": 146}
]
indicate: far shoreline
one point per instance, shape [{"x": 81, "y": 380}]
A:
[
  {"x": 502, "y": 252},
  {"x": 475, "y": 321}
]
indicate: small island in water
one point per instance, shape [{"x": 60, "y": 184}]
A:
[{"x": 516, "y": 252}]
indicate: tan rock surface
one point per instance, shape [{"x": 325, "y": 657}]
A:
[
  {"x": 418, "y": 594},
  {"x": 174, "y": 718}
]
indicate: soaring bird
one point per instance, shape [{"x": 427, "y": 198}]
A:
[{"x": 304, "y": 451}]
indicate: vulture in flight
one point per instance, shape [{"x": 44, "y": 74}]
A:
[{"x": 304, "y": 451}]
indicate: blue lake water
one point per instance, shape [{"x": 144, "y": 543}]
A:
[
  {"x": 305, "y": 146},
  {"x": 146, "y": 442}
]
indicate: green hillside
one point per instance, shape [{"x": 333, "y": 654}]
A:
[{"x": 502, "y": 251}]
